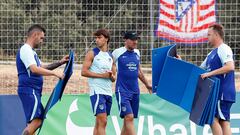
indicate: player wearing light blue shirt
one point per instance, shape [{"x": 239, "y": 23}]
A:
[
  {"x": 30, "y": 78},
  {"x": 127, "y": 61},
  {"x": 99, "y": 68},
  {"x": 101, "y": 63},
  {"x": 219, "y": 63}
]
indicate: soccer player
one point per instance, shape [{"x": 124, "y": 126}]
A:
[
  {"x": 99, "y": 68},
  {"x": 30, "y": 77},
  {"x": 127, "y": 61},
  {"x": 219, "y": 63}
]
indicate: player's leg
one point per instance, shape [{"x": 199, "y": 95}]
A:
[
  {"x": 126, "y": 113},
  {"x": 128, "y": 125},
  {"x": 32, "y": 127},
  {"x": 226, "y": 127},
  {"x": 33, "y": 111},
  {"x": 216, "y": 127},
  {"x": 225, "y": 123},
  {"x": 222, "y": 113},
  {"x": 100, "y": 125},
  {"x": 100, "y": 109}
]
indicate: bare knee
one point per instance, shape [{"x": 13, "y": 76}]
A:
[
  {"x": 101, "y": 120},
  {"x": 129, "y": 118},
  {"x": 33, "y": 126},
  {"x": 224, "y": 123},
  {"x": 36, "y": 122},
  {"x": 26, "y": 132}
]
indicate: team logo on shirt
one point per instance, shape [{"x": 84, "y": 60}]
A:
[
  {"x": 228, "y": 56},
  {"x": 124, "y": 56},
  {"x": 132, "y": 66}
]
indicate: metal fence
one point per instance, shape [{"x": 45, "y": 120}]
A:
[{"x": 70, "y": 24}]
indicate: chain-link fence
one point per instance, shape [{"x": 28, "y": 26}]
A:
[{"x": 70, "y": 24}]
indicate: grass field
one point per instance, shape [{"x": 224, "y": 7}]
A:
[{"x": 76, "y": 85}]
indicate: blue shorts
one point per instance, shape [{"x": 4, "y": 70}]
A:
[
  {"x": 32, "y": 105},
  {"x": 101, "y": 104},
  {"x": 127, "y": 104},
  {"x": 223, "y": 110}
]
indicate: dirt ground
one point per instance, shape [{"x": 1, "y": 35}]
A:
[{"x": 76, "y": 85}]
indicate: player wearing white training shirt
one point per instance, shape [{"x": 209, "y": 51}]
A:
[{"x": 99, "y": 68}]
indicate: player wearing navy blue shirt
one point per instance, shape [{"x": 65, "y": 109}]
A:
[
  {"x": 127, "y": 60},
  {"x": 219, "y": 63},
  {"x": 30, "y": 77}
]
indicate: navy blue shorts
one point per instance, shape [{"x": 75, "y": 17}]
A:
[
  {"x": 127, "y": 104},
  {"x": 101, "y": 104},
  {"x": 223, "y": 110},
  {"x": 32, "y": 105}
]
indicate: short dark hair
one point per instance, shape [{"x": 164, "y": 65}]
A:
[
  {"x": 35, "y": 27},
  {"x": 103, "y": 32},
  {"x": 219, "y": 29}
]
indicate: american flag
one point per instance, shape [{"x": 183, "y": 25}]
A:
[{"x": 185, "y": 21}]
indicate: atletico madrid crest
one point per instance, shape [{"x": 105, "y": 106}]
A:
[{"x": 185, "y": 21}]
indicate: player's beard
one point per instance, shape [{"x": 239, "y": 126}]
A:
[
  {"x": 37, "y": 45},
  {"x": 210, "y": 43},
  {"x": 132, "y": 47}
]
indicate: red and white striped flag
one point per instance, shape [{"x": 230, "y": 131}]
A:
[{"x": 185, "y": 21}]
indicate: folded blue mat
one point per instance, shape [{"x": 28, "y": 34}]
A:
[
  {"x": 59, "y": 88},
  {"x": 179, "y": 82}
]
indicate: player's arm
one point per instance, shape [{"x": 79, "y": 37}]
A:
[
  {"x": 41, "y": 71},
  {"x": 56, "y": 64},
  {"x": 27, "y": 57},
  {"x": 226, "y": 57},
  {"x": 86, "y": 67},
  {"x": 228, "y": 66},
  {"x": 113, "y": 76},
  {"x": 144, "y": 80}
]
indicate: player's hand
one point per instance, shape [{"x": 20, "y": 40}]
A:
[
  {"x": 64, "y": 59},
  {"x": 113, "y": 78},
  {"x": 60, "y": 75},
  {"x": 179, "y": 57},
  {"x": 107, "y": 74},
  {"x": 205, "y": 75}
]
